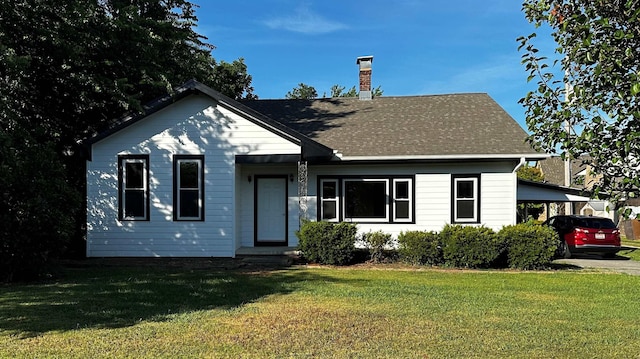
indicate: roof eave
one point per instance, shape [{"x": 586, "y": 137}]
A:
[{"x": 441, "y": 158}]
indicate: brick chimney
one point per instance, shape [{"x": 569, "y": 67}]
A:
[{"x": 365, "y": 76}]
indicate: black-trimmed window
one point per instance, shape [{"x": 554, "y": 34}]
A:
[
  {"x": 133, "y": 187},
  {"x": 329, "y": 200},
  {"x": 465, "y": 194},
  {"x": 366, "y": 199},
  {"x": 402, "y": 195},
  {"x": 188, "y": 188}
]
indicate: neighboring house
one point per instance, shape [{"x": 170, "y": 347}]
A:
[
  {"x": 203, "y": 175},
  {"x": 583, "y": 178}
]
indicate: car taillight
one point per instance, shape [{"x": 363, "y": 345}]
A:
[{"x": 580, "y": 235}]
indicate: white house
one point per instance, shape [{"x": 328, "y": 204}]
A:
[{"x": 202, "y": 175}]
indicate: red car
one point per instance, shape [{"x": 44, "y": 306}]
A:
[{"x": 585, "y": 234}]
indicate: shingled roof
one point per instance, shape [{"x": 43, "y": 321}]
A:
[{"x": 440, "y": 125}]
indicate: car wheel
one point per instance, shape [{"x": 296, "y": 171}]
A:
[{"x": 563, "y": 250}]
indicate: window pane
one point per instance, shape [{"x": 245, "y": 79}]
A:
[
  {"x": 134, "y": 175},
  {"x": 188, "y": 174},
  {"x": 133, "y": 203},
  {"x": 465, "y": 189},
  {"x": 365, "y": 199},
  {"x": 465, "y": 209},
  {"x": 402, "y": 209},
  {"x": 189, "y": 204},
  {"x": 329, "y": 210},
  {"x": 329, "y": 189},
  {"x": 402, "y": 190}
]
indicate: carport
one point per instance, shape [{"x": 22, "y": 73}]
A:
[{"x": 547, "y": 193}]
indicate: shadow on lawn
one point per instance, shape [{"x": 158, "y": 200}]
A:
[{"x": 119, "y": 297}]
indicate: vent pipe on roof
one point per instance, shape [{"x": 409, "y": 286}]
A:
[{"x": 365, "y": 76}]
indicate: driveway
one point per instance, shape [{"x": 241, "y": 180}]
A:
[{"x": 616, "y": 264}]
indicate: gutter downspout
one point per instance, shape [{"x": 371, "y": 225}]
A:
[{"x": 523, "y": 161}]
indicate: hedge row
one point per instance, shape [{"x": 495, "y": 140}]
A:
[{"x": 522, "y": 246}]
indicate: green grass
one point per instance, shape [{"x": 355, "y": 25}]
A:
[
  {"x": 633, "y": 255},
  {"x": 322, "y": 312}
]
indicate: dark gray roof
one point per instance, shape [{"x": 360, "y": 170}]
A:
[
  {"x": 439, "y": 125},
  {"x": 553, "y": 170}
]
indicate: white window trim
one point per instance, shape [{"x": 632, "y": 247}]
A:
[
  {"x": 365, "y": 219},
  {"x": 408, "y": 200},
  {"x": 335, "y": 199},
  {"x": 199, "y": 162},
  {"x": 124, "y": 189},
  {"x": 474, "y": 199}
]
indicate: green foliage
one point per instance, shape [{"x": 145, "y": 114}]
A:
[
  {"x": 327, "y": 243},
  {"x": 68, "y": 69},
  {"x": 38, "y": 207},
  {"x": 597, "y": 58},
  {"x": 529, "y": 246},
  {"x": 530, "y": 173},
  {"x": 302, "y": 91},
  {"x": 377, "y": 242},
  {"x": 420, "y": 247},
  {"x": 337, "y": 91},
  {"x": 469, "y": 246},
  {"x": 232, "y": 80}
]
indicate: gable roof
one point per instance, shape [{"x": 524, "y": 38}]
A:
[
  {"x": 446, "y": 126},
  {"x": 311, "y": 149}
]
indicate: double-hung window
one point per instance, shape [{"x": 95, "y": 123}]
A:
[
  {"x": 402, "y": 194},
  {"x": 329, "y": 200},
  {"x": 133, "y": 187},
  {"x": 366, "y": 199},
  {"x": 466, "y": 199},
  {"x": 188, "y": 195}
]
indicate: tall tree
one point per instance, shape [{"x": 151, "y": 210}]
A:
[
  {"x": 302, "y": 91},
  {"x": 66, "y": 70},
  {"x": 587, "y": 100}
]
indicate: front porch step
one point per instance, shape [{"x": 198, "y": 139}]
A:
[{"x": 268, "y": 256}]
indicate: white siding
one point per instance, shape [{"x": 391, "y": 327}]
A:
[
  {"x": 432, "y": 198},
  {"x": 194, "y": 125},
  {"x": 498, "y": 201}
]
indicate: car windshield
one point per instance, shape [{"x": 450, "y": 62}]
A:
[{"x": 598, "y": 223}]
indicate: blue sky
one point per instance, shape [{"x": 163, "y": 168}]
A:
[{"x": 419, "y": 47}]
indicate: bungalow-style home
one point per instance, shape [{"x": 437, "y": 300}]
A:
[{"x": 202, "y": 175}]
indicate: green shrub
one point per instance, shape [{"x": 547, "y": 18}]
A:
[
  {"x": 327, "y": 243},
  {"x": 377, "y": 242},
  {"x": 470, "y": 246},
  {"x": 420, "y": 247},
  {"x": 529, "y": 246}
]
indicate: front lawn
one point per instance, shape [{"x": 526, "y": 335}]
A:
[
  {"x": 321, "y": 312},
  {"x": 633, "y": 255}
]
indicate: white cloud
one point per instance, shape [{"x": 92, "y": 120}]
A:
[{"x": 306, "y": 22}]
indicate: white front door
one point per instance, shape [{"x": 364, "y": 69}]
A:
[{"x": 271, "y": 211}]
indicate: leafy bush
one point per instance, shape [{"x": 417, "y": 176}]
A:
[
  {"x": 420, "y": 247},
  {"x": 529, "y": 246},
  {"x": 327, "y": 243},
  {"x": 469, "y": 246},
  {"x": 377, "y": 242},
  {"x": 38, "y": 207}
]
